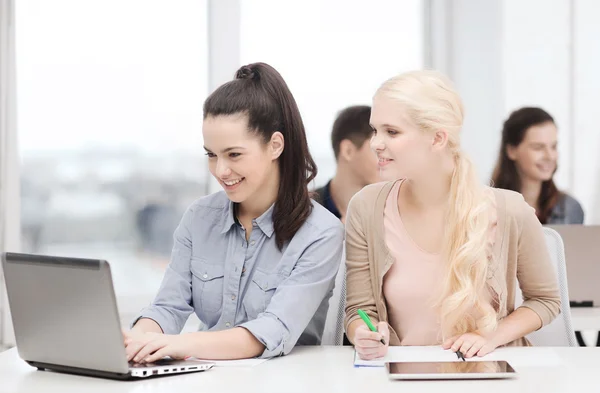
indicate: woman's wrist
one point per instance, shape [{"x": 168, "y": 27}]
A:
[
  {"x": 497, "y": 337},
  {"x": 195, "y": 340}
]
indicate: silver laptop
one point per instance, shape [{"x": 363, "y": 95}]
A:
[
  {"x": 65, "y": 318},
  {"x": 582, "y": 252}
]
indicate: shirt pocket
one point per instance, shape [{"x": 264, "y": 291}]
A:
[
  {"x": 260, "y": 291},
  {"x": 207, "y": 286}
]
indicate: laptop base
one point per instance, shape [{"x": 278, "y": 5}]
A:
[{"x": 82, "y": 371}]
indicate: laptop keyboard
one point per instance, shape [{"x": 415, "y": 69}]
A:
[
  {"x": 160, "y": 362},
  {"x": 137, "y": 365}
]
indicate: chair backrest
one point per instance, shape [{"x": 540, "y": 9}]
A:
[
  {"x": 558, "y": 333},
  {"x": 334, "y": 324}
]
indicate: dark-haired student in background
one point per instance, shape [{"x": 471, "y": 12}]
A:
[
  {"x": 356, "y": 163},
  {"x": 527, "y": 163},
  {"x": 257, "y": 261}
]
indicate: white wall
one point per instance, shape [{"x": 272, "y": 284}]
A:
[
  {"x": 586, "y": 136},
  {"x": 477, "y": 72},
  {"x": 537, "y": 72},
  {"x": 466, "y": 43}
]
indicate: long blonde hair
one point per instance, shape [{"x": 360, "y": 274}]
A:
[{"x": 432, "y": 104}]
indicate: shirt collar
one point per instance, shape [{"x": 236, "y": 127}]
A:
[
  {"x": 230, "y": 218},
  {"x": 264, "y": 222}
]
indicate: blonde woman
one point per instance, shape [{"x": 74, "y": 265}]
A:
[{"x": 433, "y": 255}]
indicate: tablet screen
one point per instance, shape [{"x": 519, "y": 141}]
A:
[{"x": 440, "y": 368}]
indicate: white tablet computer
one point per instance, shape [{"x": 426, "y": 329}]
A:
[{"x": 450, "y": 370}]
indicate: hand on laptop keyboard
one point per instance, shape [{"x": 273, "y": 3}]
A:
[
  {"x": 134, "y": 341},
  {"x": 161, "y": 362},
  {"x": 176, "y": 346}
]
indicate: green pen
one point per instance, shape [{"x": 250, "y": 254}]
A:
[{"x": 367, "y": 320}]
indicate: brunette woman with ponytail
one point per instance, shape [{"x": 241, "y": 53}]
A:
[
  {"x": 432, "y": 255},
  {"x": 257, "y": 261}
]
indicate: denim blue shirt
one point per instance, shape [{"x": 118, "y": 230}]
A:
[{"x": 280, "y": 296}]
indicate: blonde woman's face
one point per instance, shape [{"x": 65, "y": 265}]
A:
[{"x": 403, "y": 151}]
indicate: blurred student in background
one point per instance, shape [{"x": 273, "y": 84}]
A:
[
  {"x": 432, "y": 255},
  {"x": 356, "y": 162},
  {"x": 527, "y": 162},
  {"x": 257, "y": 261}
]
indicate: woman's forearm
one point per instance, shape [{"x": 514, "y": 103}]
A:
[
  {"x": 518, "y": 324},
  {"x": 147, "y": 325},
  {"x": 236, "y": 343}
]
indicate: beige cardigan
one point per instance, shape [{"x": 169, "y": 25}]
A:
[{"x": 520, "y": 255}]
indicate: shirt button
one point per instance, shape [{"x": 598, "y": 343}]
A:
[
  {"x": 205, "y": 275},
  {"x": 232, "y": 297},
  {"x": 244, "y": 270},
  {"x": 227, "y": 324},
  {"x": 252, "y": 243}
]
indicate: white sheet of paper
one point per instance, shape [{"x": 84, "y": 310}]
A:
[
  {"x": 526, "y": 356},
  {"x": 236, "y": 363},
  {"x": 409, "y": 354},
  {"x": 516, "y": 356}
]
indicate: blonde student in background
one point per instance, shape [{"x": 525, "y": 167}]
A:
[
  {"x": 433, "y": 256},
  {"x": 257, "y": 261}
]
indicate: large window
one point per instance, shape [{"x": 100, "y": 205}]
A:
[
  {"x": 110, "y": 97},
  {"x": 332, "y": 54}
]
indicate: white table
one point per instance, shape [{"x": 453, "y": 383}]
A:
[{"x": 312, "y": 369}]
